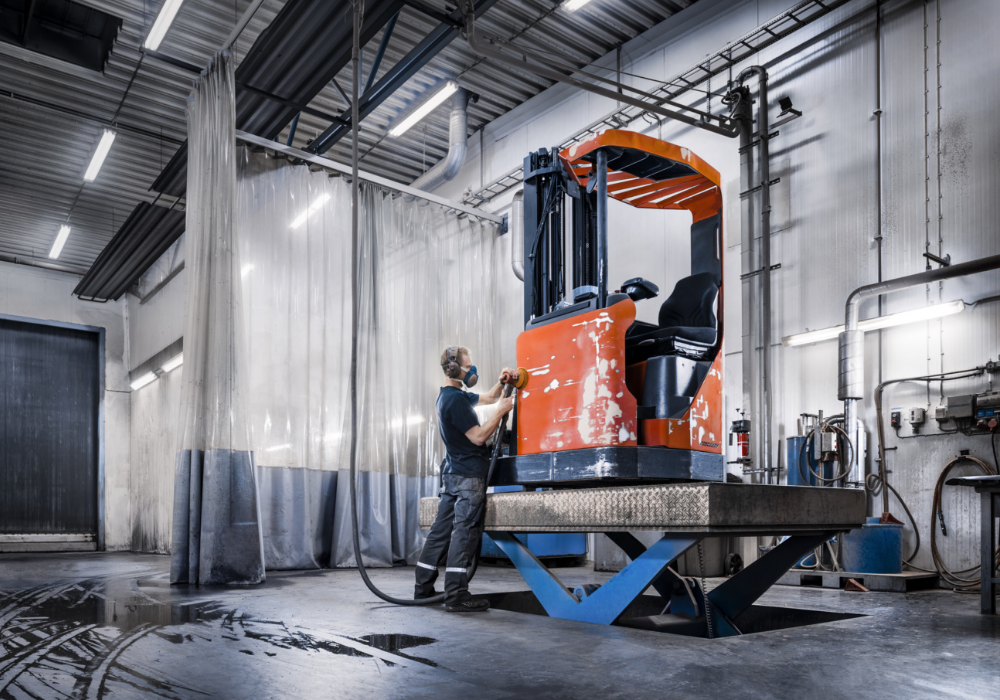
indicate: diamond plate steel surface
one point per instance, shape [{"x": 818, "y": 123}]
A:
[{"x": 700, "y": 507}]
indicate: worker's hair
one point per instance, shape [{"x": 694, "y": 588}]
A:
[{"x": 451, "y": 360}]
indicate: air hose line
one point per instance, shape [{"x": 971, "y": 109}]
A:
[{"x": 433, "y": 600}]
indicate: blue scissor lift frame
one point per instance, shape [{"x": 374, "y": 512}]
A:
[
  {"x": 685, "y": 514},
  {"x": 649, "y": 567}
]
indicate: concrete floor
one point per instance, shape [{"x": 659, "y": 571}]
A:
[{"x": 109, "y": 625}]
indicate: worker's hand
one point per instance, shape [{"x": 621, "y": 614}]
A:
[
  {"x": 505, "y": 405},
  {"x": 507, "y": 375}
]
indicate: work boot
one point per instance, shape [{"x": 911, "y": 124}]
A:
[
  {"x": 423, "y": 596},
  {"x": 470, "y": 605}
]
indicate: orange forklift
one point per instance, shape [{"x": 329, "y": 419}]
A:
[{"x": 610, "y": 400}]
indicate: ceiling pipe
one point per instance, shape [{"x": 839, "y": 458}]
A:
[
  {"x": 850, "y": 388},
  {"x": 517, "y": 234},
  {"x": 458, "y": 130}
]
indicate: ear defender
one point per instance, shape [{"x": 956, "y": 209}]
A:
[{"x": 452, "y": 370}]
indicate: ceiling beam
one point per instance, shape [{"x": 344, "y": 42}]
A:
[{"x": 407, "y": 67}]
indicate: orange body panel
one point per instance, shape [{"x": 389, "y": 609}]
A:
[
  {"x": 576, "y": 395},
  {"x": 698, "y": 429}
]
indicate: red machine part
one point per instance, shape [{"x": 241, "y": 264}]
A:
[{"x": 576, "y": 395}]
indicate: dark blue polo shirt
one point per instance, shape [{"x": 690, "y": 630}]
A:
[{"x": 455, "y": 417}]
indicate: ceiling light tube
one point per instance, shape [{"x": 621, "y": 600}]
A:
[
  {"x": 574, "y": 5},
  {"x": 107, "y": 138},
  {"x": 903, "y": 317},
  {"x": 443, "y": 93},
  {"x": 313, "y": 208},
  {"x": 162, "y": 24},
  {"x": 59, "y": 242},
  {"x": 173, "y": 363},
  {"x": 143, "y": 380}
]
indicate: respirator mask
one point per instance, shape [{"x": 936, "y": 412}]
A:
[{"x": 471, "y": 377}]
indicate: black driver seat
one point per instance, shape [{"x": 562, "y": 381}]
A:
[{"x": 688, "y": 324}]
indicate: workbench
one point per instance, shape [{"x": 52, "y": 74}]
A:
[
  {"x": 685, "y": 513},
  {"x": 989, "y": 511}
]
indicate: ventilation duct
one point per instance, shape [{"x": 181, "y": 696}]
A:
[
  {"x": 517, "y": 234},
  {"x": 458, "y": 128}
]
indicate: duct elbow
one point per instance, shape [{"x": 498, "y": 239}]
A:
[
  {"x": 517, "y": 235},
  {"x": 458, "y": 127}
]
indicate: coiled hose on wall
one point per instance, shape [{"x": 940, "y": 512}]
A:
[{"x": 955, "y": 578}]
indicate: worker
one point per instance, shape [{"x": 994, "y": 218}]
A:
[{"x": 456, "y": 533}]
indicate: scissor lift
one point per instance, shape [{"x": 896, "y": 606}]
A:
[{"x": 685, "y": 514}]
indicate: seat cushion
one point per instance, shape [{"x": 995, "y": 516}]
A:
[{"x": 696, "y": 343}]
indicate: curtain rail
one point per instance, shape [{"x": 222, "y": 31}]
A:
[{"x": 388, "y": 184}]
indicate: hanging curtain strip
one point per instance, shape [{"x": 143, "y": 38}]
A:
[{"x": 388, "y": 184}]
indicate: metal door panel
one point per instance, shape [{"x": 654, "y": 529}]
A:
[{"x": 49, "y": 407}]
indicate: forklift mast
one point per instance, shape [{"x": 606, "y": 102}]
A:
[{"x": 547, "y": 187}]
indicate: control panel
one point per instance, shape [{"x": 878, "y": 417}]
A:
[{"x": 975, "y": 413}]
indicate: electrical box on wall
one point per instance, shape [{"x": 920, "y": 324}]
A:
[
  {"x": 971, "y": 412},
  {"x": 895, "y": 418},
  {"x": 958, "y": 406},
  {"x": 987, "y": 408},
  {"x": 988, "y": 405}
]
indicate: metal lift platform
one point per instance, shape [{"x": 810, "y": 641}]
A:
[{"x": 685, "y": 513}]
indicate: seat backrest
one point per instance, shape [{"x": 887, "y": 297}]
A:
[{"x": 692, "y": 303}]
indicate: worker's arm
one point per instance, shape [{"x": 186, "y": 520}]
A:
[
  {"x": 493, "y": 395},
  {"x": 479, "y": 434}
]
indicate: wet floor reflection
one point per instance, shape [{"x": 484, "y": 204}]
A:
[{"x": 70, "y": 639}]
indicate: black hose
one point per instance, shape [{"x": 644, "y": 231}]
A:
[{"x": 437, "y": 599}]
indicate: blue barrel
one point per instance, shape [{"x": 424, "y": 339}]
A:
[
  {"x": 804, "y": 476},
  {"x": 876, "y": 548}
]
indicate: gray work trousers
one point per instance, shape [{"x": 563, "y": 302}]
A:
[{"x": 456, "y": 536}]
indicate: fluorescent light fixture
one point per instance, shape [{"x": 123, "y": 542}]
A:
[
  {"x": 100, "y": 154},
  {"x": 923, "y": 314},
  {"x": 162, "y": 24},
  {"x": 173, "y": 363},
  {"x": 926, "y": 313},
  {"x": 313, "y": 208},
  {"x": 60, "y": 242},
  {"x": 574, "y": 5},
  {"x": 147, "y": 378},
  {"x": 446, "y": 91}
]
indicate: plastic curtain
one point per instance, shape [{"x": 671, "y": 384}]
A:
[
  {"x": 427, "y": 281},
  {"x": 216, "y": 532}
]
